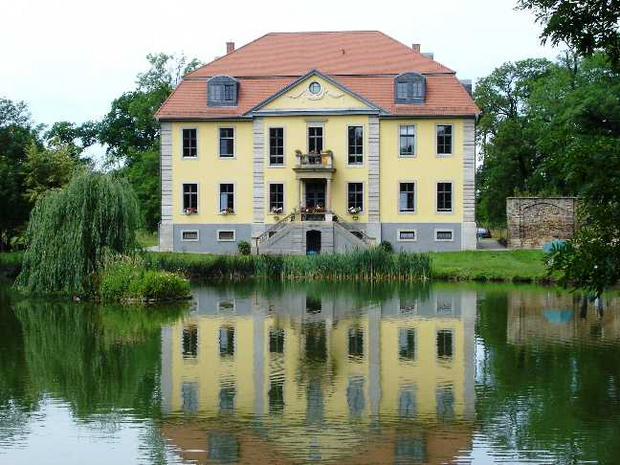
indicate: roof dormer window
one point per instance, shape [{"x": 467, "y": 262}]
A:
[
  {"x": 222, "y": 91},
  {"x": 409, "y": 88}
]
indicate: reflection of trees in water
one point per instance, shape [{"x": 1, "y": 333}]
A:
[{"x": 564, "y": 398}]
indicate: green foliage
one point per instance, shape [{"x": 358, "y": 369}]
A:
[
  {"x": 10, "y": 264},
  {"x": 47, "y": 169},
  {"x": 143, "y": 175},
  {"x": 71, "y": 229},
  {"x": 126, "y": 279},
  {"x": 75, "y": 138},
  {"x": 244, "y": 248},
  {"x": 363, "y": 265},
  {"x": 386, "y": 246},
  {"x": 17, "y": 133},
  {"x": 586, "y": 26}
]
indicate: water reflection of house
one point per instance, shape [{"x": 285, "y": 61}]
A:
[
  {"x": 559, "y": 317},
  {"x": 291, "y": 376}
]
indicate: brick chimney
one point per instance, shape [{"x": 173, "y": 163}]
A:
[
  {"x": 230, "y": 47},
  {"x": 415, "y": 48}
]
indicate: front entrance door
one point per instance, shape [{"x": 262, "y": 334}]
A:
[
  {"x": 313, "y": 242},
  {"x": 315, "y": 194}
]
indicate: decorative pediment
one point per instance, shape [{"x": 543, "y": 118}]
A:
[{"x": 314, "y": 93}]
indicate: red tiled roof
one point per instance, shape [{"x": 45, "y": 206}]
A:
[
  {"x": 368, "y": 66},
  {"x": 334, "y": 53}
]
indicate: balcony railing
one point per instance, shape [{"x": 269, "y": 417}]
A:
[{"x": 323, "y": 160}]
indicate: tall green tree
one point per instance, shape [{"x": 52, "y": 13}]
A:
[
  {"x": 587, "y": 26},
  {"x": 17, "y": 133},
  {"x": 71, "y": 230},
  {"x": 131, "y": 134}
]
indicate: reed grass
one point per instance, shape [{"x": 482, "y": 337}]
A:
[{"x": 374, "y": 264}]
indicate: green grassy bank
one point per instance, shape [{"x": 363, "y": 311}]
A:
[
  {"x": 506, "y": 266},
  {"x": 483, "y": 265}
]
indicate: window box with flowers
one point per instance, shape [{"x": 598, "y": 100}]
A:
[
  {"x": 190, "y": 211},
  {"x": 227, "y": 211}
]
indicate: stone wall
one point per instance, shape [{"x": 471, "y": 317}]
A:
[{"x": 535, "y": 221}]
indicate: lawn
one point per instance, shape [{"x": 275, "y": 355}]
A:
[
  {"x": 483, "y": 265},
  {"x": 147, "y": 239}
]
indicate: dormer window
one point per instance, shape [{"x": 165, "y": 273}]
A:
[
  {"x": 409, "y": 88},
  {"x": 222, "y": 91}
]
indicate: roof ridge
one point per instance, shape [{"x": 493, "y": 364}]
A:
[
  {"x": 417, "y": 53},
  {"x": 227, "y": 54},
  {"x": 342, "y": 31}
]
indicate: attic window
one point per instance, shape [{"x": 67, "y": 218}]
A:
[
  {"x": 409, "y": 88},
  {"x": 222, "y": 91},
  {"x": 314, "y": 88}
]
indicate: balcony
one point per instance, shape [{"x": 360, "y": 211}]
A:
[{"x": 315, "y": 162}]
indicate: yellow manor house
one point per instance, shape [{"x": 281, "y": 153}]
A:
[{"x": 318, "y": 142}]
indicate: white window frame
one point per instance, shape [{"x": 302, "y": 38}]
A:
[
  {"x": 268, "y": 145},
  {"x": 268, "y": 195},
  {"x": 197, "y": 195},
  {"x": 219, "y": 146},
  {"x": 443, "y": 230},
  {"x": 197, "y": 231},
  {"x": 315, "y": 124},
  {"x": 398, "y": 238},
  {"x": 346, "y": 200},
  {"x": 353, "y": 125},
  {"x": 444, "y": 155},
  {"x": 443, "y": 212},
  {"x": 415, "y": 140},
  {"x": 197, "y": 142},
  {"x": 219, "y": 193},
  {"x": 234, "y": 238},
  {"x": 415, "y": 196}
]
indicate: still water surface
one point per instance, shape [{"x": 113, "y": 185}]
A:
[{"x": 347, "y": 374}]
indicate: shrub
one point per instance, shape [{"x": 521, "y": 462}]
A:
[
  {"x": 386, "y": 246},
  {"x": 126, "y": 279},
  {"x": 244, "y": 248}
]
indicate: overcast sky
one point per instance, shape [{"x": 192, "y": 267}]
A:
[{"x": 68, "y": 59}]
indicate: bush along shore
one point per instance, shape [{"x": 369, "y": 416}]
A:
[{"x": 375, "y": 264}]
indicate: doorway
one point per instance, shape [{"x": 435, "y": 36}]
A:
[
  {"x": 315, "y": 193},
  {"x": 313, "y": 242}
]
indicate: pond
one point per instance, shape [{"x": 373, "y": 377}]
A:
[{"x": 309, "y": 373}]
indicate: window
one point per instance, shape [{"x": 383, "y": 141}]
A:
[
  {"x": 276, "y": 396},
  {"x": 406, "y": 343},
  {"x": 406, "y": 198},
  {"x": 276, "y": 198},
  {"x": 227, "y": 198},
  {"x": 409, "y": 88},
  {"x": 408, "y": 235},
  {"x": 190, "y": 143},
  {"x": 444, "y": 307},
  {"x": 444, "y": 344},
  {"x": 356, "y": 197},
  {"x": 356, "y": 145},
  {"x": 407, "y": 140},
  {"x": 226, "y": 236},
  {"x": 444, "y": 139},
  {"x": 190, "y": 198},
  {"x": 276, "y": 146},
  {"x": 314, "y": 88},
  {"x": 276, "y": 341},
  {"x": 444, "y": 197},
  {"x": 356, "y": 342},
  {"x": 223, "y": 447},
  {"x": 229, "y": 92},
  {"x": 227, "y": 142},
  {"x": 222, "y": 91},
  {"x": 355, "y": 396},
  {"x": 408, "y": 306},
  {"x": 444, "y": 235},
  {"x": 444, "y": 400},
  {"x": 227, "y": 341},
  {"x": 190, "y": 341},
  {"x": 226, "y": 306},
  {"x": 314, "y": 306},
  {"x": 227, "y": 399},
  {"x": 407, "y": 405},
  {"x": 189, "y": 394},
  {"x": 189, "y": 235},
  {"x": 315, "y": 139}
]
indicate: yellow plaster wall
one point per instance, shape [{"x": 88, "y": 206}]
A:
[
  {"x": 426, "y": 169},
  {"x": 209, "y": 170}
]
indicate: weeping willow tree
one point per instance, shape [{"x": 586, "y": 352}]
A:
[{"x": 71, "y": 230}]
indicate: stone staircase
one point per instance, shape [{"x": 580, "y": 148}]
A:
[{"x": 288, "y": 236}]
